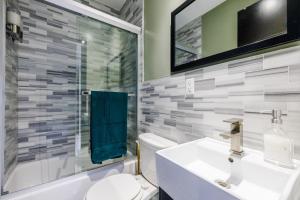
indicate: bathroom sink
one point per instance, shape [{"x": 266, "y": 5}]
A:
[{"x": 204, "y": 169}]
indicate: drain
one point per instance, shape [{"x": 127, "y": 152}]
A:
[
  {"x": 230, "y": 160},
  {"x": 223, "y": 184}
]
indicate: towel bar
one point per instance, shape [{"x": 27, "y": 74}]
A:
[{"x": 88, "y": 92}]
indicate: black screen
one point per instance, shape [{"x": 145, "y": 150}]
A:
[{"x": 262, "y": 20}]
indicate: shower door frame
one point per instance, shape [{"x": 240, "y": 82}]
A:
[
  {"x": 85, "y": 10},
  {"x": 2, "y": 90},
  {"x": 70, "y": 5}
]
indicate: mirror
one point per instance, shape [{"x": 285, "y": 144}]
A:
[{"x": 209, "y": 31}]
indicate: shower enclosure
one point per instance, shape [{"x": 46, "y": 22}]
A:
[{"x": 68, "y": 50}]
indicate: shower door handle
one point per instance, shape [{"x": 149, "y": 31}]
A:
[{"x": 86, "y": 94}]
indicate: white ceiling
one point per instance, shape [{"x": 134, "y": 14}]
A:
[
  {"x": 115, "y": 4},
  {"x": 196, "y": 9}
]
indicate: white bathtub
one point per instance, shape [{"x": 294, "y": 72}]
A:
[
  {"x": 35, "y": 173},
  {"x": 30, "y": 174},
  {"x": 70, "y": 188}
]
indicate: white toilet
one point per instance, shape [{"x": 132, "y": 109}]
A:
[{"x": 126, "y": 186}]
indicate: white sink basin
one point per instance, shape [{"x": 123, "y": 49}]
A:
[{"x": 194, "y": 171}]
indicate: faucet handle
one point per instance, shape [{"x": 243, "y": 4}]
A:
[
  {"x": 234, "y": 121},
  {"x": 236, "y": 125}
]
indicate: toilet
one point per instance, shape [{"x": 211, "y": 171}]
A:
[{"x": 126, "y": 186}]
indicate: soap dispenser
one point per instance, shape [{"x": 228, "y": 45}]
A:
[{"x": 278, "y": 147}]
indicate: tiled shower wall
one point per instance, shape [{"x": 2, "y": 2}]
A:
[
  {"x": 129, "y": 83},
  {"x": 99, "y": 5},
  {"x": 48, "y": 65},
  {"x": 11, "y": 91},
  {"x": 48, "y": 76},
  {"x": 249, "y": 89},
  {"x": 132, "y": 10}
]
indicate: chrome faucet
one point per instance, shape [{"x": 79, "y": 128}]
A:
[{"x": 236, "y": 135}]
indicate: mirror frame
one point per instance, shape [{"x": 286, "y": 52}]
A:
[{"x": 293, "y": 34}]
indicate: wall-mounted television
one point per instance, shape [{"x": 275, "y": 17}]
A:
[{"x": 262, "y": 20}]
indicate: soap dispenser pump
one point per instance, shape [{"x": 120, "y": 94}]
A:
[{"x": 278, "y": 147}]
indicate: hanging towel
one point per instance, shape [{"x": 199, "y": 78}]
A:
[{"x": 108, "y": 125}]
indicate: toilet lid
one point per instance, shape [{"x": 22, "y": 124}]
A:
[{"x": 116, "y": 187}]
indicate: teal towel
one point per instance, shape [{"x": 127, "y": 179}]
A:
[{"x": 108, "y": 125}]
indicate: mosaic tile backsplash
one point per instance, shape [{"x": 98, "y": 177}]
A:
[{"x": 248, "y": 88}]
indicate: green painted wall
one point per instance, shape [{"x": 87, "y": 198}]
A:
[
  {"x": 157, "y": 37},
  {"x": 219, "y": 27}
]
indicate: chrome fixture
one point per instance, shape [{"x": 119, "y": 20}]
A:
[
  {"x": 13, "y": 24},
  {"x": 86, "y": 93},
  {"x": 236, "y": 135},
  {"x": 276, "y": 117}
]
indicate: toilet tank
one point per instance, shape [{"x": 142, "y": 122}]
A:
[{"x": 149, "y": 144}]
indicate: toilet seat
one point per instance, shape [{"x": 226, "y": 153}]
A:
[{"x": 116, "y": 187}]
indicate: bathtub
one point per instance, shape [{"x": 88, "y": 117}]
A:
[
  {"x": 30, "y": 174},
  {"x": 35, "y": 173},
  {"x": 70, "y": 188}
]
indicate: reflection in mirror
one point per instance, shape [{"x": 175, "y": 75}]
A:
[{"x": 209, "y": 27}]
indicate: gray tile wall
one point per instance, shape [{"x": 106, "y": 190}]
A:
[
  {"x": 99, "y": 5},
  {"x": 48, "y": 64},
  {"x": 189, "y": 42},
  {"x": 11, "y": 125},
  {"x": 46, "y": 79},
  {"x": 11, "y": 91},
  {"x": 247, "y": 89},
  {"x": 129, "y": 83},
  {"x": 132, "y": 10},
  {"x": 42, "y": 80}
]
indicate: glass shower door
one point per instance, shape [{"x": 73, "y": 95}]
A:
[
  {"x": 108, "y": 63},
  {"x": 64, "y": 56}
]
